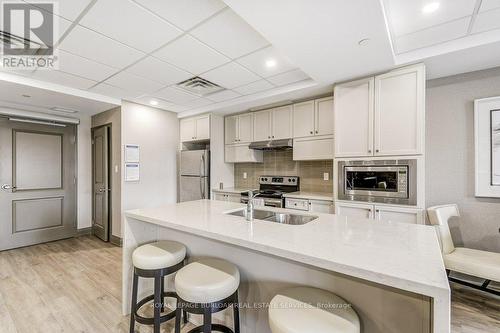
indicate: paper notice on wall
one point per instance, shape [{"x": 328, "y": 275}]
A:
[
  {"x": 132, "y": 153},
  {"x": 495, "y": 147},
  {"x": 132, "y": 172}
]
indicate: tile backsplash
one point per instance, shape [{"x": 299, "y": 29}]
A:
[{"x": 280, "y": 163}]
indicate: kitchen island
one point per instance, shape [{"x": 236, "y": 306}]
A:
[{"x": 391, "y": 273}]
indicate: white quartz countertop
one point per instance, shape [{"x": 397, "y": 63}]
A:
[
  {"x": 235, "y": 190},
  {"x": 310, "y": 195},
  {"x": 404, "y": 256}
]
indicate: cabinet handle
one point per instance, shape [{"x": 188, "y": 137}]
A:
[
  {"x": 316, "y": 132},
  {"x": 273, "y": 136},
  {"x": 369, "y": 151},
  {"x": 311, "y": 132},
  {"x": 376, "y": 150},
  {"x": 269, "y": 137}
]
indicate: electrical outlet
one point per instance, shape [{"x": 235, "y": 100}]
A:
[
  {"x": 326, "y": 176},
  {"x": 244, "y": 175}
]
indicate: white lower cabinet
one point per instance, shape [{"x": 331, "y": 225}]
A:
[
  {"x": 240, "y": 153},
  {"x": 380, "y": 212},
  {"x": 227, "y": 196},
  {"x": 308, "y": 205}
]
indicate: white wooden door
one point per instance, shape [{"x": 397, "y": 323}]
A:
[
  {"x": 262, "y": 125},
  {"x": 303, "y": 119},
  {"x": 399, "y": 112},
  {"x": 354, "y": 210},
  {"x": 353, "y": 118},
  {"x": 399, "y": 214},
  {"x": 321, "y": 206},
  {"x": 203, "y": 128},
  {"x": 231, "y": 129},
  {"x": 324, "y": 116},
  {"x": 188, "y": 130},
  {"x": 219, "y": 196},
  {"x": 233, "y": 197},
  {"x": 282, "y": 122},
  {"x": 245, "y": 128}
]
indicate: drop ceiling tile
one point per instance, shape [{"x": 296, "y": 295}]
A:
[
  {"x": 131, "y": 82},
  {"x": 130, "y": 24},
  {"x": 489, "y": 4},
  {"x": 288, "y": 77},
  {"x": 83, "y": 67},
  {"x": 62, "y": 78},
  {"x": 91, "y": 45},
  {"x": 229, "y": 34},
  {"x": 487, "y": 21},
  {"x": 406, "y": 16},
  {"x": 258, "y": 62},
  {"x": 69, "y": 9},
  {"x": 432, "y": 36},
  {"x": 183, "y": 13},
  {"x": 191, "y": 55},
  {"x": 223, "y": 96},
  {"x": 196, "y": 103},
  {"x": 175, "y": 95},
  {"x": 112, "y": 91},
  {"x": 230, "y": 76},
  {"x": 159, "y": 71},
  {"x": 254, "y": 87}
]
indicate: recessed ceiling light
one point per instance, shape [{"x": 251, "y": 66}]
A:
[
  {"x": 270, "y": 63},
  {"x": 430, "y": 7},
  {"x": 364, "y": 41},
  {"x": 153, "y": 102},
  {"x": 59, "y": 109}
]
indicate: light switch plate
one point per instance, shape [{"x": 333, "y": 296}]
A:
[
  {"x": 244, "y": 175},
  {"x": 326, "y": 176}
]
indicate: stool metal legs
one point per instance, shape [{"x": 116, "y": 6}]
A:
[{"x": 135, "y": 282}]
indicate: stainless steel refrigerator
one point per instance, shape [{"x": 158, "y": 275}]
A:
[{"x": 195, "y": 175}]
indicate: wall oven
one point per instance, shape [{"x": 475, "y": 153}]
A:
[{"x": 385, "y": 181}]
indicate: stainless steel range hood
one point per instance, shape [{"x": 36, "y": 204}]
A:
[{"x": 283, "y": 144}]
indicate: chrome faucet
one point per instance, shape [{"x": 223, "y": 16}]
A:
[{"x": 249, "y": 210}]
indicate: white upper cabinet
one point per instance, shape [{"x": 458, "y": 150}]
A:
[
  {"x": 382, "y": 115},
  {"x": 238, "y": 129},
  {"x": 282, "y": 123},
  {"x": 303, "y": 119},
  {"x": 262, "y": 125},
  {"x": 353, "y": 118},
  {"x": 195, "y": 129},
  {"x": 399, "y": 112},
  {"x": 323, "y": 116}
]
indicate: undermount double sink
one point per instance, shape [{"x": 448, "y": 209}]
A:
[{"x": 276, "y": 217}]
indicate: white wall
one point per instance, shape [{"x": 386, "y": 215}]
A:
[
  {"x": 84, "y": 217},
  {"x": 450, "y": 156},
  {"x": 157, "y": 133}
]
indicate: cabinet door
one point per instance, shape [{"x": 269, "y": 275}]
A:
[
  {"x": 324, "y": 116},
  {"x": 354, "y": 210},
  {"x": 282, "y": 122},
  {"x": 398, "y": 214},
  {"x": 203, "y": 128},
  {"x": 231, "y": 129},
  {"x": 240, "y": 153},
  {"x": 262, "y": 125},
  {"x": 232, "y": 197},
  {"x": 187, "y": 130},
  {"x": 303, "y": 119},
  {"x": 245, "y": 128},
  {"x": 220, "y": 196},
  {"x": 320, "y": 206},
  {"x": 399, "y": 112},
  {"x": 353, "y": 118}
]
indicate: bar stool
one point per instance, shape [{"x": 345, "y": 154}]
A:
[
  {"x": 155, "y": 260},
  {"x": 311, "y": 310},
  {"x": 205, "y": 287}
]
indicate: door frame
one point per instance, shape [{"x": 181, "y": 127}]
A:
[{"x": 109, "y": 127}]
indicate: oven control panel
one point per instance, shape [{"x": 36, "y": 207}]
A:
[{"x": 274, "y": 180}]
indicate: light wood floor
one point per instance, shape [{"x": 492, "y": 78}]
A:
[{"x": 74, "y": 285}]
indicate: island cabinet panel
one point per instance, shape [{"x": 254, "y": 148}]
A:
[
  {"x": 195, "y": 129},
  {"x": 353, "y": 118},
  {"x": 382, "y": 115},
  {"x": 227, "y": 196},
  {"x": 262, "y": 125}
]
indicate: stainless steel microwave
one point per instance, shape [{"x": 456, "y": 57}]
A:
[{"x": 386, "y": 181}]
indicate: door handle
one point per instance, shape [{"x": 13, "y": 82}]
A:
[{"x": 8, "y": 187}]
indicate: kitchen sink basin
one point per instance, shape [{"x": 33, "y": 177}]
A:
[{"x": 277, "y": 217}]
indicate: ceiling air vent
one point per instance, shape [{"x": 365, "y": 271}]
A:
[{"x": 199, "y": 86}]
